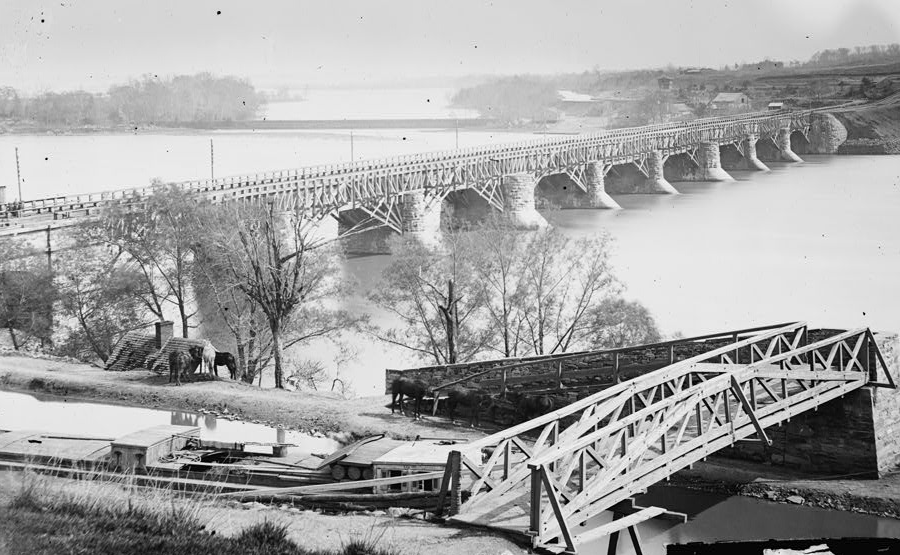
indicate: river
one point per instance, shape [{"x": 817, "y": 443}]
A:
[{"x": 817, "y": 241}]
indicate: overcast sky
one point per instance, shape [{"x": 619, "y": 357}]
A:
[{"x": 92, "y": 43}]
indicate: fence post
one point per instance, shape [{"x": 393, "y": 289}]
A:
[
  {"x": 534, "y": 527},
  {"x": 455, "y": 491}
]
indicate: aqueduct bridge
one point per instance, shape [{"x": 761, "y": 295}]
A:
[{"x": 407, "y": 194}]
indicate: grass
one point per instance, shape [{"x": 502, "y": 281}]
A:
[{"x": 90, "y": 517}]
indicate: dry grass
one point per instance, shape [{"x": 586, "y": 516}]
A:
[{"x": 45, "y": 515}]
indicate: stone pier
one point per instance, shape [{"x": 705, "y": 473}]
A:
[
  {"x": 826, "y": 134},
  {"x": 656, "y": 180},
  {"x": 783, "y": 140},
  {"x": 733, "y": 159},
  {"x": 708, "y": 166},
  {"x": 421, "y": 217},
  {"x": 594, "y": 181},
  {"x": 518, "y": 202}
]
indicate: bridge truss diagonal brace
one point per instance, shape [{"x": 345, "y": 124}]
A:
[
  {"x": 641, "y": 164},
  {"x": 891, "y": 384},
  {"x": 748, "y": 408}
]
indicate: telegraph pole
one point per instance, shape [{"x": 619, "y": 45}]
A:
[
  {"x": 352, "y": 159},
  {"x": 18, "y": 175},
  {"x": 457, "y": 134},
  {"x": 212, "y": 171}
]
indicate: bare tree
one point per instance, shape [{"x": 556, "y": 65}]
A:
[
  {"x": 295, "y": 282},
  {"x": 158, "y": 233},
  {"x": 26, "y": 294},
  {"x": 616, "y": 322},
  {"x": 433, "y": 295},
  {"x": 99, "y": 293}
]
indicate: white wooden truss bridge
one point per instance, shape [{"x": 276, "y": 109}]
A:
[{"x": 546, "y": 477}]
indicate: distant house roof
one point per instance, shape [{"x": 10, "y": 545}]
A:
[
  {"x": 734, "y": 98},
  {"x": 132, "y": 351},
  {"x": 775, "y": 105}
]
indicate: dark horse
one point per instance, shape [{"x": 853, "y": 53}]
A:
[
  {"x": 414, "y": 389},
  {"x": 180, "y": 363},
  {"x": 471, "y": 398},
  {"x": 227, "y": 360},
  {"x": 531, "y": 406}
]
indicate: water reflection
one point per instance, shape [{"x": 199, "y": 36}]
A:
[{"x": 19, "y": 411}]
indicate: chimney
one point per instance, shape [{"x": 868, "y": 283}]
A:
[
  {"x": 164, "y": 332},
  {"x": 2, "y": 194}
]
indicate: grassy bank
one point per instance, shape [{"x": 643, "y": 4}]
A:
[
  {"x": 873, "y": 129},
  {"x": 42, "y": 514}
]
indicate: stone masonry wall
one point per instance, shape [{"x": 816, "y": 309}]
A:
[{"x": 858, "y": 434}]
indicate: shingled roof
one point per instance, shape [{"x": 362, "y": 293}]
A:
[{"x": 132, "y": 351}]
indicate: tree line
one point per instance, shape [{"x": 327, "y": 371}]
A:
[
  {"x": 150, "y": 100},
  {"x": 857, "y": 55},
  {"x": 265, "y": 286}
]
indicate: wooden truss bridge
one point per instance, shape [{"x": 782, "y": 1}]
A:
[
  {"x": 377, "y": 187},
  {"x": 545, "y": 477}
]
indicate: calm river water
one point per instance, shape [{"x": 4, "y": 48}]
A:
[{"x": 818, "y": 241}]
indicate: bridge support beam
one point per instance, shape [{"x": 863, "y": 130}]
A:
[
  {"x": 420, "y": 218},
  {"x": 656, "y": 180},
  {"x": 518, "y": 202},
  {"x": 594, "y": 181}
]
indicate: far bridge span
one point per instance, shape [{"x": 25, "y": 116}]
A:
[{"x": 407, "y": 194}]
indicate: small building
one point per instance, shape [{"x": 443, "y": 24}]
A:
[
  {"x": 730, "y": 102},
  {"x": 775, "y": 106},
  {"x": 665, "y": 83}
]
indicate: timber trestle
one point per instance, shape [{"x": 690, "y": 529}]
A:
[
  {"x": 546, "y": 477},
  {"x": 374, "y": 186}
]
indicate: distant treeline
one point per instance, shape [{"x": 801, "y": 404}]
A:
[
  {"x": 511, "y": 99},
  {"x": 185, "y": 98},
  {"x": 857, "y": 55}
]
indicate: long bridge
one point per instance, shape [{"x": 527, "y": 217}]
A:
[
  {"x": 405, "y": 194},
  {"x": 548, "y": 480}
]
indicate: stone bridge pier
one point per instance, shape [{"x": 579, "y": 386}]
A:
[
  {"x": 420, "y": 217},
  {"x": 743, "y": 157},
  {"x": 778, "y": 149},
  {"x": 648, "y": 178},
  {"x": 518, "y": 202},
  {"x": 705, "y": 166}
]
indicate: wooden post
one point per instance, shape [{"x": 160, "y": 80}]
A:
[
  {"x": 212, "y": 165},
  {"x": 534, "y": 527},
  {"x": 615, "y": 367},
  {"x": 507, "y": 458},
  {"x": 559, "y": 383},
  {"x": 18, "y": 176},
  {"x": 671, "y": 354},
  {"x": 455, "y": 492},
  {"x": 503, "y": 377},
  {"x": 614, "y": 538},
  {"x": 49, "y": 251}
]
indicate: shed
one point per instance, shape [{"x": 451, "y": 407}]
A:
[
  {"x": 775, "y": 106},
  {"x": 414, "y": 458},
  {"x": 137, "y": 450}
]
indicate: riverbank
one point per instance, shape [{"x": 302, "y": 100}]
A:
[
  {"x": 872, "y": 128},
  {"x": 346, "y": 419},
  {"x": 308, "y": 412}
]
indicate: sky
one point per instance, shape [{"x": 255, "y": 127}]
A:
[{"x": 92, "y": 44}]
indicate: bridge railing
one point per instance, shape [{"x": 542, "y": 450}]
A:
[
  {"x": 402, "y": 164},
  {"x": 599, "y": 452},
  {"x": 613, "y": 364}
]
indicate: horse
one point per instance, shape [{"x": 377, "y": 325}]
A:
[
  {"x": 531, "y": 406},
  {"x": 209, "y": 358},
  {"x": 196, "y": 352},
  {"x": 474, "y": 399},
  {"x": 180, "y": 363},
  {"x": 225, "y": 359},
  {"x": 413, "y": 388}
]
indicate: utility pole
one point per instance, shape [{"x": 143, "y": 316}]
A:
[
  {"x": 18, "y": 175},
  {"x": 212, "y": 171},
  {"x": 352, "y": 158},
  {"x": 457, "y": 134}
]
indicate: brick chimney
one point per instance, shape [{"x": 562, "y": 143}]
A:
[{"x": 164, "y": 332}]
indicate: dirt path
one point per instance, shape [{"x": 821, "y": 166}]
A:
[{"x": 304, "y": 411}]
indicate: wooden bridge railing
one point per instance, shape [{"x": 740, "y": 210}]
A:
[
  {"x": 391, "y": 175},
  {"x": 601, "y": 451},
  {"x": 604, "y": 362}
]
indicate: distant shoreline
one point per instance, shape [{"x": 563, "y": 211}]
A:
[{"x": 19, "y": 128}]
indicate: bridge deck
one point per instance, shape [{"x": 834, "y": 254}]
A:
[{"x": 544, "y": 477}]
